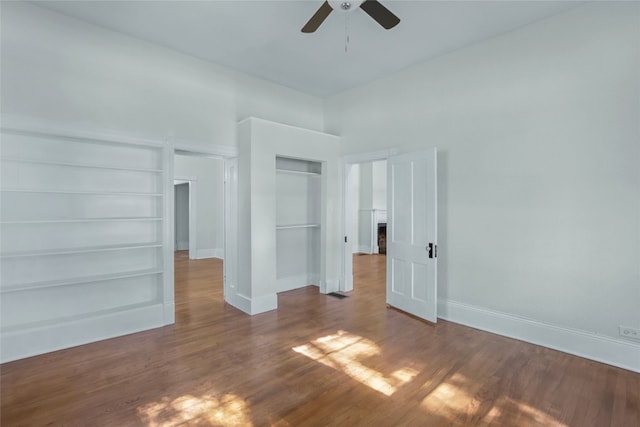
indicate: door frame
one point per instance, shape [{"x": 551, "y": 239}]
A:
[
  {"x": 347, "y": 162},
  {"x": 230, "y": 264}
]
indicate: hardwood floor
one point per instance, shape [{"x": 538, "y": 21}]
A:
[{"x": 317, "y": 360}]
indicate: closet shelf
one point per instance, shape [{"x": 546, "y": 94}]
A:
[
  {"x": 294, "y": 172},
  {"x": 78, "y": 220},
  {"x": 86, "y": 193},
  {"x": 69, "y": 251},
  {"x": 78, "y": 280},
  {"x": 78, "y": 165},
  {"x": 292, "y": 226}
]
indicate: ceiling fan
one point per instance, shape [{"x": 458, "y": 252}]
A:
[{"x": 373, "y": 8}]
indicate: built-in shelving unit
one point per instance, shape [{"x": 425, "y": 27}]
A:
[
  {"x": 82, "y": 231},
  {"x": 297, "y": 222}
]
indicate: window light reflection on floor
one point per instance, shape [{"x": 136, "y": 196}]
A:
[
  {"x": 228, "y": 410},
  {"x": 451, "y": 401},
  {"x": 345, "y": 352}
]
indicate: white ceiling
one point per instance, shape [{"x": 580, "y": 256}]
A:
[{"x": 263, "y": 38}]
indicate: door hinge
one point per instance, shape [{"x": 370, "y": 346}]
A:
[
  {"x": 345, "y": 239},
  {"x": 433, "y": 250}
]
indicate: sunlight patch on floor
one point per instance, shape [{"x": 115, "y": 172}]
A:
[
  {"x": 228, "y": 410},
  {"x": 448, "y": 398},
  {"x": 345, "y": 352},
  {"x": 451, "y": 401}
]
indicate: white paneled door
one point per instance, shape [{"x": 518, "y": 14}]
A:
[{"x": 411, "y": 234}]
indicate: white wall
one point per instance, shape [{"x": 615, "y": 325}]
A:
[
  {"x": 209, "y": 174},
  {"x": 379, "y": 184},
  {"x": 61, "y": 69},
  {"x": 539, "y": 181}
]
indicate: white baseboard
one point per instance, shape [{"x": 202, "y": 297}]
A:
[
  {"x": 603, "y": 349},
  {"x": 182, "y": 246},
  {"x": 23, "y": 343},
  {"x": 364, "y": 249},
  {"x": 253, "y": 305},
  {"x": 210, "y": 253},
  {"x": 169, "y": 313},
  {"x": 330, "y": 285},
  {"x": 294, "y": 282}
]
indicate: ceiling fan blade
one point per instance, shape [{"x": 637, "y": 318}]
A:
[
  {"x": 317, "y": 18},
  {"x": 380, "y": 14}
]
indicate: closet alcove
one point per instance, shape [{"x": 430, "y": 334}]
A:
[
  {"x": 298, "y": 205},
  {"x": 288, "y": 215}
]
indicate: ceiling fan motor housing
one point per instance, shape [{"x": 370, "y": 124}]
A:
[{"x": 345, "y": 6}]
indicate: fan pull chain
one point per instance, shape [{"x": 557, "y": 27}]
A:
[{"x": 346, "y": 32}]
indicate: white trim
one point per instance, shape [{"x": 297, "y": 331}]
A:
[
  {"x": 247, "y": 119},
  {"x": 253, "y": 305},
  {"x": 229, "y": 267},
  {"x": 70, "y": 130},
  {"x": 30, "y": 342},
  {"x": 168, "y": 233},
  {"x": 209, "y": 253},
  {"x": 370, "y": 156},
  {"x": 295, "y": 282},
  {"x": 169, "y": 313},
  {"x": 238, "y": 301},
  {"x": 585, "y": 344},
  {"x": 184, "y": 179},
  {"x": 330, "y": 285},
  {"x": 363, "y": 249},
  {"x": 206, "y": 148}
]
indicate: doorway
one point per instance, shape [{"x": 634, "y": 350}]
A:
[
  {"x": 181, "y": 193},
  {"x": 366, "y": 220},
  {"x": 410, "y": 239},
  {"x": 185, "y": 215},
  {"x": 199, "y": 234}
]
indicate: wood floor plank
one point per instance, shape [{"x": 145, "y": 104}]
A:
[{"x": 317, "y": 360}]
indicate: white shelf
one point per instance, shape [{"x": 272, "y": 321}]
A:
[
  {"x": 79, "y": 136},
  {"x": 294, "y": 172},
  {"x": 78, "y": 280},
  {"x": 78, "y": 220},
  {"x": 292, "y": 226},
  {"x": 68, "y": 319},
  {"x": 89, "y": 193},
  {"x": 77, "y": 165},
  {"x": 68, "y": 251}
]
